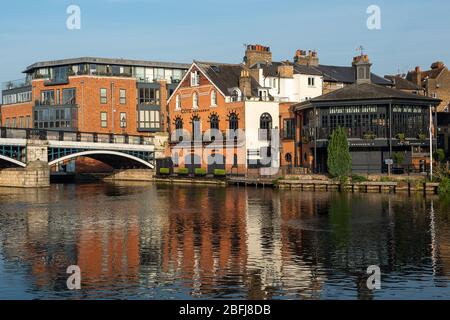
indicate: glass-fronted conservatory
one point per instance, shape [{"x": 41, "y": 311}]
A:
[{"x": 379, "y": 122}]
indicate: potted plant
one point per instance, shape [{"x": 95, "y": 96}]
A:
[
  {"x": 182, "y": 171},
  {"x": 400, "y": 136},
  {"x": 164, "y": 171},
  {"x": 200, "y": 172}
]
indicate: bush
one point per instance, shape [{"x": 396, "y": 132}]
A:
[
  {"x": 357, "y": 178},
  {"x": 439, "y": 155},
  {"x": 183, "y": 171},
  {"x": 219, "y": 172},
  {"x": 164, "y": 171},
  {"x": 200, "y": 172},
  {"x": 444, "y": 186},
  {"x": 398, "y": 158},
  {"x": 339, "y": 161}
]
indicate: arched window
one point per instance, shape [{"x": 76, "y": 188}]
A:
[
  {"x": 195, "y": 100},
  {"x": 236, "y": 95},
  {"x": 288, "y": 158},
  {"x": 214, "y": 121},
  {"x": 234, "y": 121},
  {"x": 177, "y": 102},
  {"x": 265, "y": 121},
  {"x": 178, "y": 123},
  {"x": 213, "y": 98},
  {"x": 196, "y": 127}
]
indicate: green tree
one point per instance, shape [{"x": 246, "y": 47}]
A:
[
  {"x": 398, "y": 158},
  {"x": 339, "y": 161}
]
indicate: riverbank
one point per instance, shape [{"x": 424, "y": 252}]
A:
[{"x": 381, "y": 184}]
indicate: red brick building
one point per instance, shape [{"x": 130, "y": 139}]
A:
[{"x": 92, "y": 95}]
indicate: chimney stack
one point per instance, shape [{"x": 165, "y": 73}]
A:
[
  {"x": 286, "y": 70},
  {"x": 361, "y": 65},
  {"x": 257, "y": 54},
  {"x": 437, "y": 65},
  {"x": 245, "y": 83},
  {"x": 418, "y": 76},
  {"x": 306, "y": 59}
]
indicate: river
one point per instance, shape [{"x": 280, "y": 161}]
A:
[{"x": 148, "y": 241}]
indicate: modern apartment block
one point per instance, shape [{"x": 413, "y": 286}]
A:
[{"x": 92, "y": 95}]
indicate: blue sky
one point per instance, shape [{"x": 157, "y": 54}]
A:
[{"x": 412, "y": 32}]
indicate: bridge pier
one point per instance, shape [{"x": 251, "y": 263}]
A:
[
  {"x": 131, "y": 175},
  {"x": 36, "y": 174}
]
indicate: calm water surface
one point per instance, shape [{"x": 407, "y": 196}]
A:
[{"x": 137, "y": 241}]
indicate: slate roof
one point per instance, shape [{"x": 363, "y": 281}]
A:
[
  {"x": 431, "y": 74},
  {"x": 225, "y": 76},
  {"x": 367, "y": 91},
  {"x": 330, "y": 73},
  {"x": 346, "y": 75},
  {"x": 401, "y": 83}
]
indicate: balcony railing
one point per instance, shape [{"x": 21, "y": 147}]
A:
[
  {"x": 56, "y": 135},
  {"x": 9, "y": 85}
]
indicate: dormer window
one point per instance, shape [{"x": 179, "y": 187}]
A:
[
  {"x": 236, "y": 95},
  {"x": 195, "y": 100},
  {"x": 195, "y": 78},
  {"x": 263, "y": 95}
]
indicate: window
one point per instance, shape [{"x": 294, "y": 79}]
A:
[
  {"x": 149, "y": 96},
  {"x": 123, "y": 96},
  {"x": 21, "y": 122},
  {"x": 311, "y": 82},
  {"x": 123, "y": 120},
  {"x": 103, "y": 119},
  {"x": 28, "y": 122},
  {"x": 140, "y": 74},
  {"x": 7, "y": 122},
  {"x": 236, "y": 95},
  {"x": 195, "y": 100},
  {"x": 178, "y": 123},
  {"x": 159, "y": 74},
  {"x": 214, "y": 98},
  {"x": 48, "y": 97},
  {"x": 263, "y": 95},
  {"x": 13, "y": 122},
  {"x": 149, "y": 119},
  {"x": 196, "y": 127},
  {"x": 288, "y": 157},
  {"x": 233, "y": 121},
  {"x": 214, "y": 121},
  {"x": 177, "y": 102},
  {"x": 195, "y": 78},
  {"x": 177, "y": 75},
  {"x": 265, "y": 121},
  {"x": 68, "y": 96},
  {"x": 265, "y": 126},
  {"x": 289, "y": 128},
  {"x": 103, "y": 96}
]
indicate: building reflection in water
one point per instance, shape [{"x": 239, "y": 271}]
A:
[{"x": 147, "y": 241}]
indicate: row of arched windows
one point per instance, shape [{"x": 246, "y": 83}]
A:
[
  {"x": 265, "y": 121},
  {"x": 213, "y": 97},
  {"x": 233, "y": 122}
]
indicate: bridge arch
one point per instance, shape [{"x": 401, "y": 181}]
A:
[
  {"x": 101, "y": 152},
  {"x": 11, "y": 160}
]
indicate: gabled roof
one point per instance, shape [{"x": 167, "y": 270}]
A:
[
  {"x": 401, "y": 83},
  {"x": 346, "y": 75},
  {"x": 225, "y": 76},
  {"x": 430, "y": 74},
  {"x": 368, "y": 91}
]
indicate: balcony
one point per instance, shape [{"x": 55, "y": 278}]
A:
[{"x": 15, "y": 84}]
